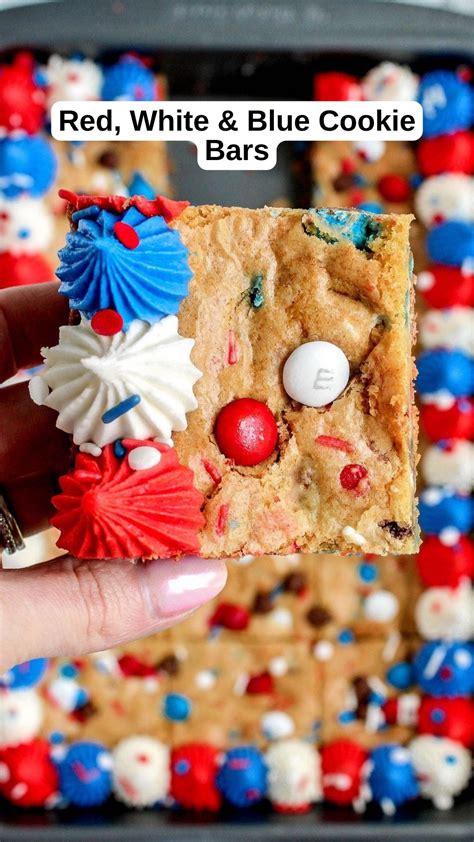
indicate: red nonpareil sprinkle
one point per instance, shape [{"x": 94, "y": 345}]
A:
[
  {"x": 351, "y": 476},
  {"x": 107, "y": 322},
  {"x": 337, "y": 444},
  {"x": 126, "y": 235},
  {"x": 212, "y": 470},
  {"x": 222, "y": 517},
  {"x": 232, "y": 349}
]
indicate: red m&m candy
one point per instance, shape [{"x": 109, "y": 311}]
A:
[
  {"x": 446, "y": 153},
  {"x": 261, "y": 684},
  {"x": 394, "y": 188},
  {"x": 442, "y": 565},
  {"x": 107, "y": 322},
  {"x": 336, "y": 86},
  {"x": 452, "y": 422},
  {"x": 231, "y": 616},
  {"x": 246, "y": 431}
]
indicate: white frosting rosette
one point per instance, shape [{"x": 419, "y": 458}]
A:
[
  {"x": 21, "y": 716},
  {"x": 294, "y": 774},
  {"x": 446, "y": 613},
  {"x": 452, "y": 466},
  {"x": 444, "y": 197},
  {"x": 453, "y": 328},
  {"x": 72, "y": 79},
  {"x": 141, "y": 772},
  {"x": 26, "y": 226},
  {"x": 89, "y": 375},
  {"x": 389, "y": 82},
  {"x": 443, "y": 768}
]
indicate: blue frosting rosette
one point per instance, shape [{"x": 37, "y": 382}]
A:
[
  {"x": 144, "y": 279},
  {"x": 445, "y": 669},
  {"x": 27, "y": 166},
  {"x": 128, "y": 79},
  {"x": 451, "y": 243},
  {"x": 242, "y": 778},
  {"x": 27, "y": 674},
  {"x": 441, "y": 369},
  {"x": 447, "y": 103},
  {"x": 392, "y": 776},
  {"x": 85, "y": 777},
  {"x": 442, "y": 508}
]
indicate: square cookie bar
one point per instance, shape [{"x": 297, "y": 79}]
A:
[
  {"x": 356, "y": 687},
  {"x": 266, "y": 284},
  {"x": 266, "y": 599},
  {"x": 237, "y": 694},
  {"x": 238, "y": 382},
  {"x": 111, "y": 694}
]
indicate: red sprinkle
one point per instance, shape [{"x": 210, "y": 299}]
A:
[
  {"x": 126, "y": 235},
  {"x": 130, "y": 665},
  {"x": 233, "y": 349},
  {"x": 222, "y": 517},
  {"x": 351, "y": 475},
  {"x": 107, "y": 322},
  {"x": 212, "y": 470},
  {"x": 347, "y": 166},
  {"x": 337, "y": 444}
]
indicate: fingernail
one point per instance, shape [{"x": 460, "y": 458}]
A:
[{"x": 172, "y": 587}]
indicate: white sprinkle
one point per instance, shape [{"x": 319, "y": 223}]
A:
[
  {"x": 276, "y": 725},
  {"x": 434, "y": 662},
  {"x": 205, "y": 679},
  {"x": 282, "y": 617},
  {"x": 4, "y": 773},
  {"x": 391, "y": 645},
  {"x": 104, "y": 761},
  {"x": 381, "y": 606},
  {"x": 240, "y": 684},
  {"x": 278, "y": 666},
  {"x": 323, "y": 650},
  {"x": 374, "y": 718},
  {"x": 38, "y": 389},
  {"x": 90, "y": 447},
  {"x": 353, "y": 537},
  {"x": 463, "y": 659},
  {"x": 150, "y": 684},
  {"x": 449, "y": 536},
  {"x": 142, "y": 458}
]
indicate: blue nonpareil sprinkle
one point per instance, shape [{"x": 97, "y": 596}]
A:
[
  {"x": 56, "y": 738},
  {"x": 345, "y": 636},
  {"x": 119, "y": 449},
  {"x": 120, "y": 409},
  {"x": 68, "y": 671},
  {"x": 346, "y": 716}
]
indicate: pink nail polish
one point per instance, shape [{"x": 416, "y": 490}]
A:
[{"x": 171, "y": 588}]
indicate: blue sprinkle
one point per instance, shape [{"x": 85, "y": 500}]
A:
[
  {"x": 119, "y": 449},
  {"x": 120, "y": 409},
  {"x": 451, "y": 759},
  {"x": 367, "y": 572},
  {"x": 345, "y": 636},
  {"x": 56, "y": 738},
  {"x": 377, "y": 698},
  {"x": 438, "y": 716},
  {"x": 68, "y": 671},
  {"x": 182, "y": 767},
  {"x": 23, "y": 233},
  {"x": 346, "y": 716}
]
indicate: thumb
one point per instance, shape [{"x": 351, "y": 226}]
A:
[{"x": 70, "y": 607}]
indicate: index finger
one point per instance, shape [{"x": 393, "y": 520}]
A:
[{"x": 30, "y": 317}]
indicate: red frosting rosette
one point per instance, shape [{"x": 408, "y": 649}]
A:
[
  {"x": 110, "y": 509},
  {"x": 28, "y": 776},
  {"x": 22, "y": 101}
]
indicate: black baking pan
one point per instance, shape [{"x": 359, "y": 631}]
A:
[{"x": 230, "y": 49}]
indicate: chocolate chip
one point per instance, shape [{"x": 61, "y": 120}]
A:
[
  {"x": 83, "y": 713},
  {"x": 263, "y": 603},
  {"x": 108, "y": 159},
  {"x": 343, "y": 182},
  {"x": 169, "y": 664},
  {"x": 318, "y": 616},
  {"x": 397, "y": 530},
  {"x": 363, "y": 692},
  {"x": 295, "y": 583}
]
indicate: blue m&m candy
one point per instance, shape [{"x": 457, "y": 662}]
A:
[
  {"x": 400, "y": 675},
  {"x": 176, "y": 707},
  {"x": 27, "y": 166}
]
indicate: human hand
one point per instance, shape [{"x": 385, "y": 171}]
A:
[{"x": 67, "y": 606}]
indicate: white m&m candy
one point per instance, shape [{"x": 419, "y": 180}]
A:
[{"x": 316, "y": 373}]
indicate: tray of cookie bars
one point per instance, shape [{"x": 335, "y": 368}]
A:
[{"x": 326, "y": 692}]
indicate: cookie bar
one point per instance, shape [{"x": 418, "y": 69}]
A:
[{"x": 279, "y": 419}]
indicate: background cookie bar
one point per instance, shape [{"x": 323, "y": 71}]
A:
[
  {"x": 266, "y": 284},
  {"x": 234, "y": 693}
]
